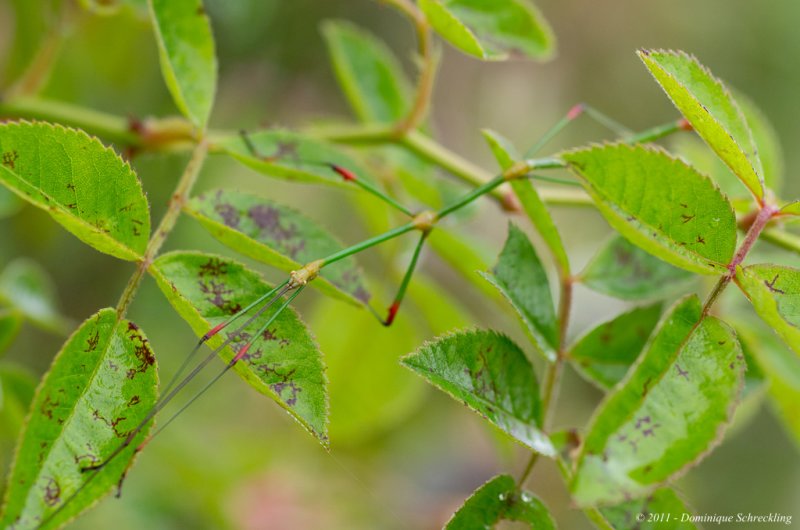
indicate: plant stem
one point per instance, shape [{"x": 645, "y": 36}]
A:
[
  {"x": 658, "y": 132},
  {"x": 371, "y": 242},
  {"x": 176, "y": 203},
  {"x": 165, "y": 134}
]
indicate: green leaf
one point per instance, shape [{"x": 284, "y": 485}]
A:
[
  {"x": 605, "y": 353},
  {"x": 521, "y": 278},
  {"x": 83, "y": 185},
  {"x": 291, "y": 156},
  {"x": 368, "y": 72},
  {"x": 506, "y": 155},
  {"x": 774, "y": 292},
  {"x": 188, "y": 59},
  {"x": 667, "y": 413},
  {"x": 492, "y": 376},
  {"x": 491, "y": 29},
  {"x": 623, "y": 270},
  {"x": 498, "y": 500},
  {"x": 660, "y": 204},
  {"x": 76, "y": 421},
  {"x": 370, "y": 394},
  {"x": 662, "y": 510},
  {"x": 285, "y": 364},
  {"x": 709, "y": 107},
  {"x": 10, "y": 322},
  {"x": 279, "y": 236},
  {"x": 27, "y": 287}
]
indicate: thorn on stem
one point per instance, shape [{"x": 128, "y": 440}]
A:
[{"x": 684, "y": 125}]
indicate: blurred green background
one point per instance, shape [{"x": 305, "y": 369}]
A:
[{"x": 404, "y": 455}]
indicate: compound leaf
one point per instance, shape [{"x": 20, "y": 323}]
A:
[
  {"x": 666, "y": 414},
  {"x": 605, "y": 353},
  {"x": 660, "y": 204},
  {"x": 491, "y": 375},
  {"x": 279, "y": 236},
  {"x": 709, "y": 107},
  {"x": 491, "y": 29},
  {"x": 187, "y": 54},
  {"x": 83, "y": 185},
  {"x": 521, "y": 278},
  {"x": 285, "y": 364},
  {"x": 623, "y": 270},
  {"x": 77, "y": 421},
  {"x": 774, "y": 292},
  {"x": 498, "y": 500}
]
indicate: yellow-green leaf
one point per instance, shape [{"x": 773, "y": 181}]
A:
[
  {"x": 660, "y": 204},
  {"x": 774, "y": 292},
  {"x": 188, "y": 58},
  {"x": 491, "y": 29},
  {"x": 712, "y": 111},
  {"x": 83, "y": 185}
]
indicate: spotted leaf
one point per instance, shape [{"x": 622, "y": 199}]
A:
[
  {"x": 289, "y": 155},
  {"x": 605, "y": 353},
  {"x": 284, "y": 363},
  {"x": 774, "y": 292},
  {"x": 99, "y": 387},
  {"x": 492, "y": 376},
  {"x": 667, "y": 413},
  {"x": 623, "y": 270},
  {"x": 83, "y": 185},
  {"x": 280, "y": 236},
  {"x": 660, "y": 204}
]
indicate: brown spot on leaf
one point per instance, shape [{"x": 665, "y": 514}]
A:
[
  {"x": 10, "y": 159},
  {"x": 213, "y": 267},
  {"x": 114, "y": 424},
  {"x": 228, "y": 213},
  {"x": 92, "y": 342},
  {"x": 687, "y": 218},
  {"x": 771, "y": 285},
  {"x": 52, "y": 492},
  {"x": 681, "y": 372},
  {"x": 701, "y": 239}
]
